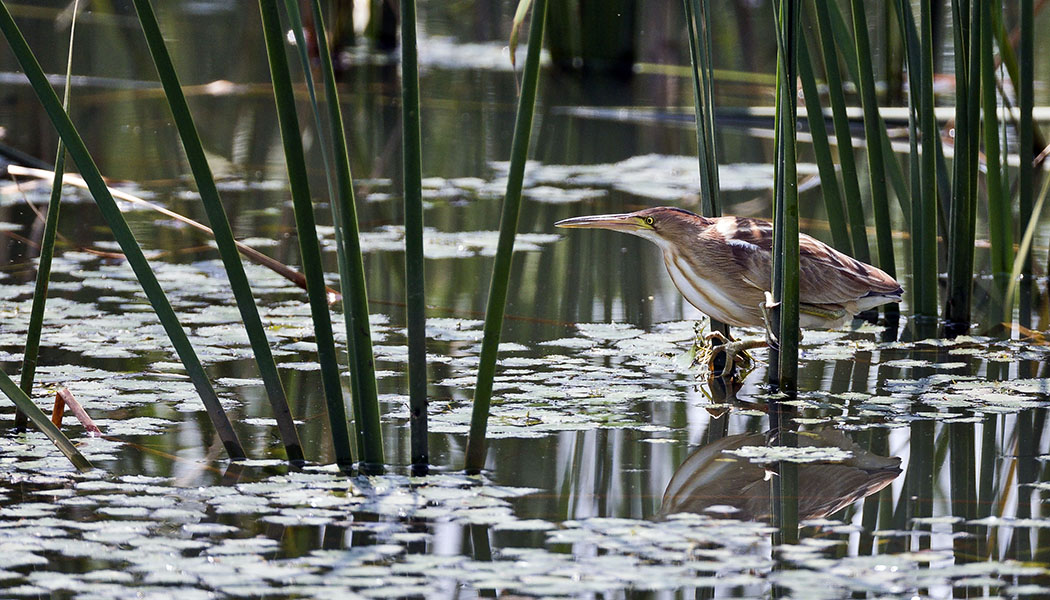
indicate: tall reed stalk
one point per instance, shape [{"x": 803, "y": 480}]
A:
[
  {"x": 31, "y": 351},
  {"x": 698, "y": 28},
  {"x": 925, "y": 219},
  {"x": 914, "y": 68},
  {"x": 475, "y": 460},
  {"x": 1025, "y": 135},
  {"x": 364, "y": 395},
  {"x": 1009, "y": 59},
  {"x": 874, "y": 139},
  {"x": 923, "y": 171},
  {"x": 326, "y": 144},
  {"x": 698, "y": 25},
  {"x": 220, "y": 226},
  {"x": 785, "y": 223},
  {"x": 892, "y": 167},
  {"x": 843, "y": 135},
  {"x": 412, "y": 156},
  {"x": 309, "y": 247},
  {"x": 1000, "y": 230},
  {"x": 962, "y": 216},
  {"x": 1024, "y": 251},
  {"x": 829, "y": 183},
  {"x": 351, "y": 270},
  {"x": 111, "y": 213}
]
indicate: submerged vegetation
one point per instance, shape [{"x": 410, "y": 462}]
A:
[{"x": 906, "y": 454}]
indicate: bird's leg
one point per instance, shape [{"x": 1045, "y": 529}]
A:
[{"x": 765, "y": 307}]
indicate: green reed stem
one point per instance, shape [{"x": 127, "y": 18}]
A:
[
  {"x": 916, "y": 234},
  {"x": 43, "y": 275},
  {"x": 973, "y": 124},
  {"x": 785, "y": 223},
  {"x": 843, "y": 135},
  {"x": 714, "y": 203},
  {"x": 1011, "y": 60},
  {"x": 47, "y": 248},
  {"x": 892, "y": 53},
  {"x": 295, "y": 20},
  {"x": 944, "y": 193},
  {"x": 302, "y": 50},
  {"x": 367, "y": 431},
  {"x": 961, "y": 221},
  {"x": 777, "y": 253},
  {"x": 927, "y": 305},
  {"x": 894, "y": 173},
  {"x": 37, "y": 416},
  {"x": 130, "y": 247},
  {"x": 1025, "y": 141},
  {"x": 364, "y": 396},
  {"x": 822, "y": 150},
  {"x": 412, "y": 152},
  {"x": 923, "y": 171},
  {"x": 220, "y": 225},
  {"x": 1024, "y": 249},
  {"x": 351, "y": 272},
  {"x": 505, "y": 247},
  {"x": 999, "y": 210},
  {"x": 698, "y": 25},
  {"x": 873, "y": 133},
  {"x": 1004, "y": 143},
  {"x": 306, "y": 230},
  {"x": 893, "y": 167}
]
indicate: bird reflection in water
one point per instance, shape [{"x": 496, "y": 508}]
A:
[{"x": 711, "y": 478}]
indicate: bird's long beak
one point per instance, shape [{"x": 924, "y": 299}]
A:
[{"x": 628, "y": 222}]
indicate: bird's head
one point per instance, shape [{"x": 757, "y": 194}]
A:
[{"x": 663, "y": 225}]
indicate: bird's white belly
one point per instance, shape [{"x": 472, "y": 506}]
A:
[
  {"x": 808, "y": 321},
  {"x": 710, "y": 300}
]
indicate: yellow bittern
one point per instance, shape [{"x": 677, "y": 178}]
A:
[{"x": 723, "y": 267}]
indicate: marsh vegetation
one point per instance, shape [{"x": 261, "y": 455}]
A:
[{"x": 411, "y": 384}]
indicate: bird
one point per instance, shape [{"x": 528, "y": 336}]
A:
[{"x": 723, "y": 267}]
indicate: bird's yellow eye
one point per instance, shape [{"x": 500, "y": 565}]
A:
[{"x": 648, "y": 220}]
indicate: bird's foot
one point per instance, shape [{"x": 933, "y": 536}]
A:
[{"x": 733, "y": 349}]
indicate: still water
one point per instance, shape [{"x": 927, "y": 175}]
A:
[{"x": 614, "y": 470}]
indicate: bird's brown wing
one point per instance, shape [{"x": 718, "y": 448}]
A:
[{"x": 826, "y": 276}]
